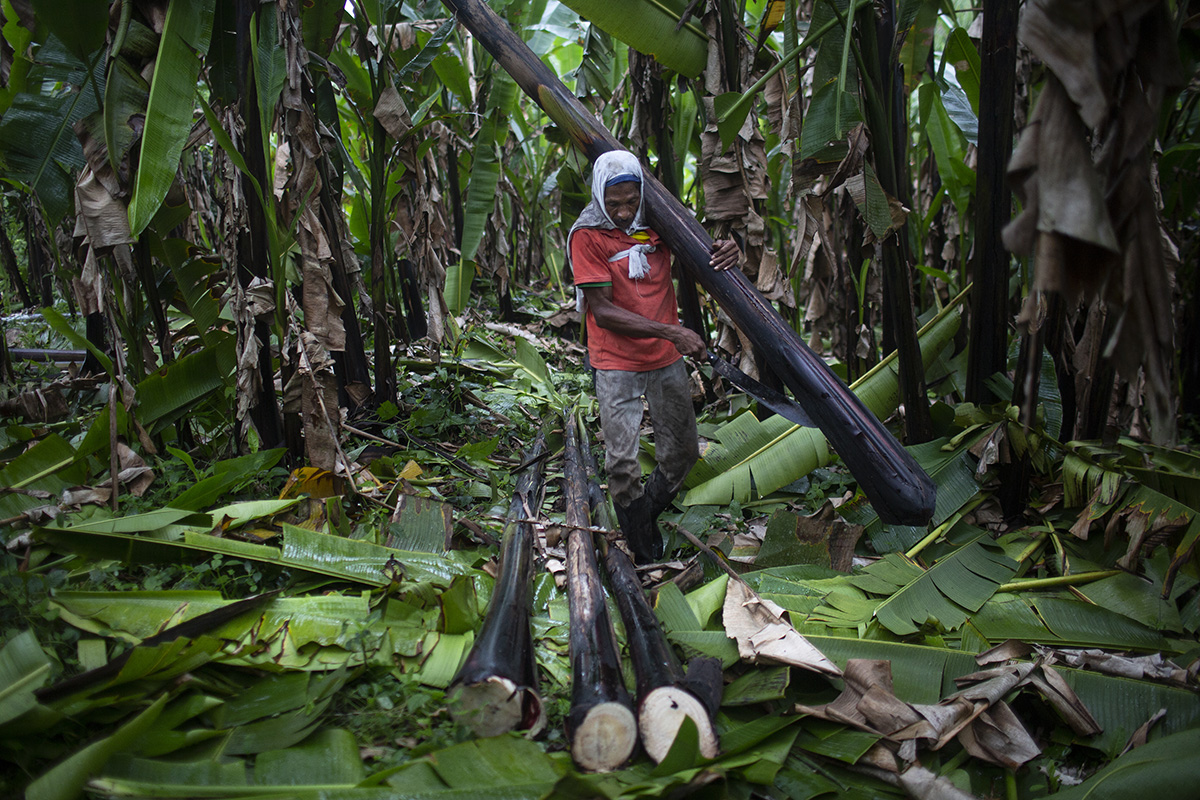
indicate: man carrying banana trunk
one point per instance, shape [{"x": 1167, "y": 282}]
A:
[{"x": 636, "y": 344}]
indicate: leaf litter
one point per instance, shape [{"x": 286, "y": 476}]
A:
[{"x": 380, "y": 585}]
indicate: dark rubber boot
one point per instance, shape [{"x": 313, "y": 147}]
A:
[
  {"x": 658, "y": 495},
  {"x": 640, "y": 531}
]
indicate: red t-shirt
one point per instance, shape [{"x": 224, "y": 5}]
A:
[{"x": 652, "y": 297}]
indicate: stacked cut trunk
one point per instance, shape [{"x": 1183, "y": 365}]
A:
[
  {"x": 665, "y": 696},
  {"x": 495, "y": 691},
  {"x": 600, "y": 725}
]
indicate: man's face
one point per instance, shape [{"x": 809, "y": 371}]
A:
[{"x": 621, "y": 201}]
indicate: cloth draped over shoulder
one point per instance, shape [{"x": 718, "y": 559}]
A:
[{"x": 614, "y": 164}]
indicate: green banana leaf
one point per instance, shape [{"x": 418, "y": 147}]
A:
[
  {"x": 319, "y": 553},
  {"x": 309, "y": 633},
  {"x": 1060, "y": 621},
  {"x": 125, "y": 97},
  {"x": 945, "y": 593},
  {"x": 226, "y": 476},
  {"x": 485, "y": 169},
  {"x": 649, "y": 27},
  {"x": 962, "y": 54},
  {"x": 24, "y": 666},
  {"x": 1164, "y": 768},
  {"x": 949, "y": 146},
  {"x": 81, "y": 24},
  {"x": 185, "y": 39},
  {"x": 37, "y": 136},
  {"x": 177, "y": 388},
  {"x": 48, "y": 466},
  {"x": 269, "y": 65},
  {"x": 320, "y": 24},
  {"x": 750, "y": 456},
  {"x": 59, "y": 324},
  {"x": 66, "y": 780},
  {"x": 1122, "y": 705},
  {"x": 952, "y": 469},
  {"x": 327, "y": 760}
]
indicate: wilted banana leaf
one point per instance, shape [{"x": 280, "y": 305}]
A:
[
  {"x": 761, "y": 457},
  {"x": 924, "y": 675}
]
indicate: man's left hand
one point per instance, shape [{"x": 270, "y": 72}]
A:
[{"x": 725, "y": 254}]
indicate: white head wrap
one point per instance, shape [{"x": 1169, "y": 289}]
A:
[{"x": 614, "y": 164}]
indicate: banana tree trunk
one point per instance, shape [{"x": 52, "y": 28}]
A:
[
  {"x": 495, "y": 691},
  {"x": 601, "y": 725},
  {"x": 252, "y": 248},
  {"x": 990, "y": 316},
  {"x": 899, "y": 489}
]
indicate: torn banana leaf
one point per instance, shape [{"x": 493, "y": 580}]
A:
[
  {"x": 308, "y": 633},
  {"x": 944, "y": 594},
  {"x": 319, "y": 553},
  {"x": 328, "y": 760}
]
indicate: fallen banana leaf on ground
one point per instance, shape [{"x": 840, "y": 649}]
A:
[
  {"x": 308, "y": 633},
  {"x": 353, "y": 560}
]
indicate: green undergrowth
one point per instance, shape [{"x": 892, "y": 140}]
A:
[{"x": 264, "y": 630}]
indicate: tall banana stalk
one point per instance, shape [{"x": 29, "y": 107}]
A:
[{"x": 895, "y": 484}]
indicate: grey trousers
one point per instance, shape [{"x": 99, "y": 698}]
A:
[{"x": 676, "y": 445}]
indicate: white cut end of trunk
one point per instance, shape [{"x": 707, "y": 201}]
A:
[
  {"x": 605, "y": 739},
  {"x": 662, "y": 712},
  {"x": 495, "y": 706}
]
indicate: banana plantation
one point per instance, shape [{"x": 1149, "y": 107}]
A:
[{"x": 299, "y": 446}]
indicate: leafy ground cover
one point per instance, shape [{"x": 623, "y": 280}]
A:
[{"x": 240, "y": 627}]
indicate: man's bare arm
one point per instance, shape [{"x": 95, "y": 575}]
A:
[{"x": 627, "y": 323}]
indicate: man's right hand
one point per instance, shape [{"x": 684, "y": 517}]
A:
[{"x": 688, "y": 342}]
